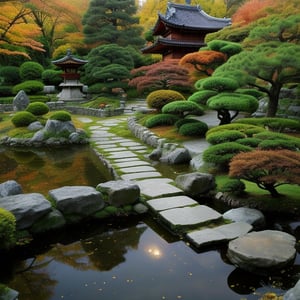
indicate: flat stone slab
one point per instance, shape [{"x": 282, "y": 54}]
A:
[
  {"x": 121, "y": 154},
  {"x": 137, "y": 148},
  {"x": 131, "y": 164},
  {"x": 137, "y": 169},
  {"x": 257, "y": 251},
  {"x": 121, "y": 160},
  {"x": 85, "y": 120},
  {"x": 106, "y": 146},
  {"x": 190, "y": 216},
  {"x": 106, "y": 142},
  {"x": 114, "y": 149},
  {"x": 141, "y": 175},
  {"x": 210, "y": 236},
  {"x": 128, "y": 144},
  {"x": 164, "y": 203},
  {"x": 158, "y": 187}
]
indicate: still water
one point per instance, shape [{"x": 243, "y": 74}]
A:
[{"x": 130, "y": 258}]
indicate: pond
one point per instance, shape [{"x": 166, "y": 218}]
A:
[{"x": 128, "y": 258}]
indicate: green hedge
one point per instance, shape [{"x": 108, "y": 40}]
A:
[
  {"x": 250, "y": 141},
  {"x": 183, "y": 108},
  {"x": 30, "y": 87},
  {"x": 161, "y": 119},
  {"x": 193, "y": 129},
  {"x": 23, "y": 119},
  {"x": 224, "y": 136},
  {"x": 278, "y": 144},
  {"x": 180, "y": 122},
  {"x": 61, "y": 115},
  {"x": 234, "y": 186},
  {"x": 37, "y": 108},
  {"x": 202, "y": 96}
]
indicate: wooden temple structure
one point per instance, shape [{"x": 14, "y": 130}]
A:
[
  {"x": 182, "y": 30},
  {"x": 71, "y": 88}
]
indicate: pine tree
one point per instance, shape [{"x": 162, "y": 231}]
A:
[{"x": 112, "y": 22}]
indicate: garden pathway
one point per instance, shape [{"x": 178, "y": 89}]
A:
[{"x": 179, "y": 213}]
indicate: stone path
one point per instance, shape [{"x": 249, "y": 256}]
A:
[{"x": 179, "y": 213}]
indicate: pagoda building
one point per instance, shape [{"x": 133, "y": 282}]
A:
[
  {"x": 182, "y": 30},
  {"x": 71, "y": 88}
]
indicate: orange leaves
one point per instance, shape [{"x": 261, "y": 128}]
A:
[{"x": 252, "y": 10}]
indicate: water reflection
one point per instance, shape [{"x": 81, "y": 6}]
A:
[{"x": 40, "y": 170}]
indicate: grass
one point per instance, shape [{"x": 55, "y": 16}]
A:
[{"x": 288, "y": 202}]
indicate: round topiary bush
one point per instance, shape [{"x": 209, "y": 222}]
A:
[
  {"x": 221, "y": 154},
  {"x": 159, "y": 98},
  {"x": 52, "y": 77},
  {"x": 23, "y": 118},
  {"x": 234, "y": 186},
  {"x": 277, "y": 145},
  {"x": 10, "y": 75},
  {"x": 7, "y": 229},
  {"x": 218, "y": 84},
  {"x": 161, "y": 120},
  {"x": 180, "y": 122},
  {"x": 251, "y": 142},
  {"x": 31, "y": 70},
  {"x": 183, "y": 108},
  {"x": 193, "y": 129},
  {"x": 30, "y": 87},
  {"x": 224, "y": 136},
  {"x": 61, "y": 115},
  {"x": 202, "y": 96},
  {"x": 37, "y": 108}
]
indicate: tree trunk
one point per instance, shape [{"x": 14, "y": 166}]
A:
[
  {"x": 224, "y": 116},
  {"x": 272, "y": 190},
  {"x": 274, "y": 100}
]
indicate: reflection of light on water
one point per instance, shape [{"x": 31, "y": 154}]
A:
[{"x": 154, "y": 252}]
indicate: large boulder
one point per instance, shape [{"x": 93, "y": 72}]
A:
[
  {"x": 27, "y": 208},
  {"x": 176, "y": 156},
  {"x": 195, "y": 184},
  {"x": 120, "y": 192},
  {"x": 20, "y": 101},
  {"x": 248, "y": 215},
  {"x": 262, "y": 251},
  {"x": 10, "y": 187},
  {"x": 81, "y": 201}
]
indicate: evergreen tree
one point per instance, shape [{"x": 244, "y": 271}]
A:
[{"x": 112, "y": 22}]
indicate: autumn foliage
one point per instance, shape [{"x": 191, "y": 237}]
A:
[{"x": 267, "y": 168}]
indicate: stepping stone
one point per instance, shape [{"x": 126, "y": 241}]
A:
[
  {"x": 121, "y": 160},
  {"x": 114, "y": 149},
  {"x": 209, "y": 236},
  {"x": 106, "y": 142},
  {"x": 106, "y": 146},
  {"x": 137, "y": 147},
  {"x": 189, "y": 216},
  {"x": 131, "y": 164},
  {"x": 142, "y": 175},
  {"x": 121, "y": 154},
  {"x": 85, "y": 120},
  {"x": 128, "y": 144},
  {"x": 138, "y": 169},
  {"x": 164, "y": 203},
  {"x": 158, "y": 187},
  {"x": 262, "y": 250}
]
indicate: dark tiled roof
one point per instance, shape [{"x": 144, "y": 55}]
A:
[
  {"x": 69, "y": 59},
  {"x": 190, "y": 17},
  {"x": 161, "y": 43}
]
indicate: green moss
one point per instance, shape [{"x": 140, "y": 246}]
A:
[
  {"x": 7, "y": 229},
  {"x": 23, "y": 118}
]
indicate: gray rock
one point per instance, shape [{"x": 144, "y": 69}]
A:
[
  {"x": 53, "y": 220},
  {"x": 293, "y": 293},
  {"x": 176, "y": 156},
  {"x": 27, "y": 208},
  {"x": 39, "y": 136},
  {"x": 264, "y": 250},
  {"x": 35, "y": 126},
  {"x": 20, "y": 101},
  {"x": 55, "y": 127},
  {"x": 120, "y": 192},
  {"x": 245, "y": 214},
  {"x": 10, "y": 187},
  {"x": 78, "y": 200},
  {"x": 210, "y": 236},
  {"x": 140, "y": 208},
  {"x": 195, "y": 184}
]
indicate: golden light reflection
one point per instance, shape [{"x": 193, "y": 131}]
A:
[{"x": 154, "y": 252}]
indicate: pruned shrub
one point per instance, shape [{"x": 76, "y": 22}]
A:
[
  {"x": 250, "y": 141},
  {"x": 161, "y": 120},
  {"x": 5, "y": 91},
  {"x": 38, "y": 108},
  {"x": 275, "y": 124},
  {"x": 252, "y": 92},
  {"x": 23, "y": 118},
  {"x": 248, "y": 129},
  {"x": 221, "y": 154},
  {"x": 233, "y": 186},
  {"x": 61, "y": 115},
  {"x": 31, "y": 70},
  {"x": 202, "y": 96},
  {"x": 180, "y": 122},
  {"x": 30, "y": 87},
  {"x": 10, "y": 75},
  {"x": 193, "y": 129},
  {"x": 182, "y": 108},
  {"x": 218, "y": 84},
  {"x": 269, "y": 135},
  {"x": 224, "y": 136},
  {"x": 159, "y": 98},
  {"x": 278, "y": 144},
  {"x": 7, "y": 229},
  {"x": 52, "y": 77}
]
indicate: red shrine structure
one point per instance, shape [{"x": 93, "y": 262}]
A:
[
  {"x": 71, "y": 86},
  {"x": 182, "y": 30}
]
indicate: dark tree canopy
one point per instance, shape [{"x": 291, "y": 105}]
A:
[{"x": 111, "y": 21}]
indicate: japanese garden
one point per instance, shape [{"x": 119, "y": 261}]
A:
[{"x": 149, "y": 149}]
